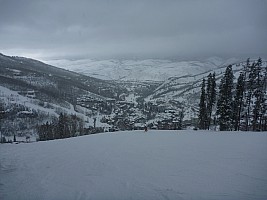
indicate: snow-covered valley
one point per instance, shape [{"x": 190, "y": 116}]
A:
[
  {"x": 34, "y": 93},
  {"x": 50, "y": 103},
  {"x": 137, "y": 165},
  {"x": 133, "y": 100}
]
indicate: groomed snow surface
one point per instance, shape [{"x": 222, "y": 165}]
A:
[{"x": 137, "y": 165}]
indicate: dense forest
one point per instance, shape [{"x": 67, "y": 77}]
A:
[{"x": 240, "y": 105}]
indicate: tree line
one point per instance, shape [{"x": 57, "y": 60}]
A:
[
  {"x": 64, "y": 127},
  {"x": 233, "y": 106}
]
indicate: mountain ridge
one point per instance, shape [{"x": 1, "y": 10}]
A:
[
  {"x": 126, "y": 104},
  {"x": 140, "y": 70}
]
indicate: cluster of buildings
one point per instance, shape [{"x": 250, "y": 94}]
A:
[{"x": 132, "y": 115}]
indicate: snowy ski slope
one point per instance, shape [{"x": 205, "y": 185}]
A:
[{"x": 137, "y": 165}]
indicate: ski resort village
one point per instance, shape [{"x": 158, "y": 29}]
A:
[
  {"x": 156, "y": 139},
  {"x": 133, "y": 100},
  {"x": 41, "y": 100}
]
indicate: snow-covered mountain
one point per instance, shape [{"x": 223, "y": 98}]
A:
[
  {"x": 128, "y": 102},
  {"x": 140, "y": 70},
  {"x": 32, "y": 93},
  {"x": 173, "y": 81},
  {"x": 185, "y": 90}
]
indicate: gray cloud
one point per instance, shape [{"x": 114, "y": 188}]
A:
[{"x": 141, "y": 28}]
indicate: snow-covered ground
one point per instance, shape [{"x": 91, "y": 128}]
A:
[
  {"x": 139, "y": 70},
  {"x": 12, "y": 97},
  {"x": 138, "y": 165}
]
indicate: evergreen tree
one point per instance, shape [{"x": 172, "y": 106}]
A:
[
  {"x": 202, "y": 116},
  {"x": 213, "y": 88},
  {"x": 264, "y": 104},
  {"x": 259, "y": 96},
  {"x": 49, "y": 131},
  {"x": 238, "y": 101},
  {"x": 2, "y": 112},
  {"x": 3, "y": 140},
  {"x": 61, "y": 127},
  {"x": 211, "y": 96},
  {"x": 263, "y": 98},
  {"x": 250, "y": 86},
  {"x": 180, "y": 120},
  {"x": 225, "y": 102}
]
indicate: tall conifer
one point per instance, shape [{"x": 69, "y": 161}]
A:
[
  {"x": 225, "y": 102},
  {"x": 211, "y": 96},
  {"x": 202, "y": 116},
  {"x": 238, "y": 101}
]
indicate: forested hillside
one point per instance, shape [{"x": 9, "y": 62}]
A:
[
  {"x": 39, "y": 98},
  {"x": 241, "y": 104}
]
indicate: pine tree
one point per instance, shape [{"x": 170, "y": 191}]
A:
[
  {"x": 180, "y": 120},
  {"x": 61, "y": 126},
  {"x": 202, "y": 117},
  {"x": 250, "y": 87},
  {"x": 49, "y": 129},
  {"x": 259, "y": 96},
  {"x": 213, "y": 88},
  {"x": 211, "y": 96},
  {"x": 2, "y": 112},
  {"x": 264, "y": 102},
  {"x": 238, "y": 101},
  {"x": 254, "y": 106},
  {"x": 208, "y": 99},
  {"x": 225, "y": 102}
]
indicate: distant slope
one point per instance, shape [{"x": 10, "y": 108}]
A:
[
  {"x": 43, "y": 92},
  {"x": 186, "y": 89},
  {"x": 139, "y": 70},
  {"x": 176, "y": 84},
  {"x": 24, "y": 74},
  {"x": 137, "y": 98}
]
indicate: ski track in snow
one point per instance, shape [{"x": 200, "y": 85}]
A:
[{"x": 155, "y": 165}]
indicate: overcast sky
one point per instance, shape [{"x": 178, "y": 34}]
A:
[{"x": 133, "y": 28}]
